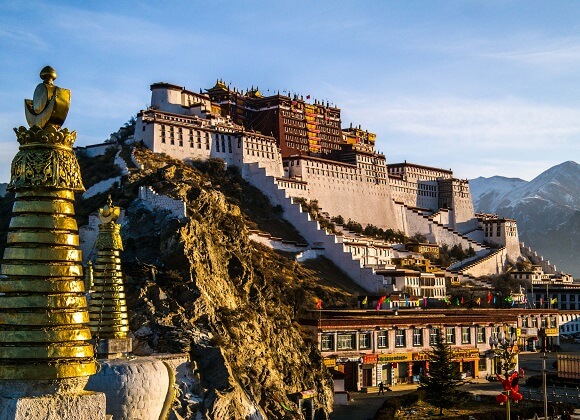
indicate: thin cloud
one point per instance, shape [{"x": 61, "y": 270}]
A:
[
  {"x": 552, "y": 52},
  {"x": 20, "y": 37},
  {"x": 451, "y": 119}
]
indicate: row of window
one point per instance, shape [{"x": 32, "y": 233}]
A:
[
  {"x": 545, "y": 322},
  {"x": 348, "y": 340}
]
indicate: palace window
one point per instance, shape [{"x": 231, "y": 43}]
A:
[
  {"x": 552, "y": 321},
  {"x": 482, "y": 364},
  {"x": 481, "y": 334},
  {"x": 327, "y": 342},
  {"x": 543, "y": 322},
  {"x": 465, "y": 335},
  {"x": 450, "y": 335},
  {"x": 364, "y": 340},
  {"x": 534, "y": 322},
  {"x": 400, "y": 338},
  {"x": 417, "y": 337},
  {"x": 346, "y": 341},
  {"x": 433, "y": 335},
  {"x": 383, "y": 339}
]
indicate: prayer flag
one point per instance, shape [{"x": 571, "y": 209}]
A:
[
  {"x": 365, "y": 301},
  {"x": 489, "y": 297},
  {"x": 318, "y": 303},
  {"x": 554, "y": 300}
]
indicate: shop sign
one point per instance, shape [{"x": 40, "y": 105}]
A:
[
  {"x": 465, "y": 353},
  {"x": 530, "y": 332},
  {"x": 347, "y": 359},
  {"x": 370, "y": 358},
  {"x": 395, "y": 357},
  {"x": 551, "y": 332},
  {"x": 329, "y": 362},
  {"x": 420, "y": 356}
]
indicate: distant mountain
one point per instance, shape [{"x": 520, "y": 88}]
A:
[{"x": 547, "y": 209}]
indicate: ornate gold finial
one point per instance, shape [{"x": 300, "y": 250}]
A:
[
  {"x": 50, "y": 104},
  {"x": 45, "y": 157},
  {"x": 109, "y": 231},
  {"x": 109, "y": 213}
]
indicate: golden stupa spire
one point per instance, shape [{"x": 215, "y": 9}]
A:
[
  {"x": 43, "y": 310},
  {"x": 108, "y": 308}
]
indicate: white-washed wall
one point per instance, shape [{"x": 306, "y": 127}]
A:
[
  {"x": 343, "y": 189},
  {"x": 158, "y": 201},
  {"x": 494, "y": 263}
]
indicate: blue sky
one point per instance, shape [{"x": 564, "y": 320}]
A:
[{"x": 482, "y": 87}]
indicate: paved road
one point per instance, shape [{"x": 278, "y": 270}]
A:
[{"x": 363, "y": 406}]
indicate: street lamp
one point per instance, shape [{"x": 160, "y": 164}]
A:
[{"x": 505, "y": 349}]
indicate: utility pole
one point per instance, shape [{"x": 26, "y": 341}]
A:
[{"x": 544, "y": 380}]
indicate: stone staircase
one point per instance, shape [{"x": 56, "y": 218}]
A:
[
  {"x": 366, "y": 276},
  {"x": 533, "y": 256},
  {"x": 468, "y": 272},
  {"x": 417, "y": 217},
  {"x": 317, "y": 237}
]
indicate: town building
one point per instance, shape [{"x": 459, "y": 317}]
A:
[{"x": 392, "y": 347}]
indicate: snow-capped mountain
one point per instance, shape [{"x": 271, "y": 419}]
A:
[{"x": 547, "y": 209}]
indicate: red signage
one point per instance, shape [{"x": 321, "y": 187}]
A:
[{"x": 370, "y": 358}]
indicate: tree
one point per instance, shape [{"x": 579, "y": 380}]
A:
[{"x": 443, "y": 379}]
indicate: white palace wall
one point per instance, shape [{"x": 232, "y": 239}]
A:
[
  {"x": 186, "y": 137},
  {"x": 341, "y": 189}
]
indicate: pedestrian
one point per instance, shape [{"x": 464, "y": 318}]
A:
[
  {"x": 381, "y": 389},
  {"x": 521, "y": 372}
]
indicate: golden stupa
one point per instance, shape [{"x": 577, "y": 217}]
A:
[
  {"x": 44, "y": 333},
  {"x": 107, "y": 307}
]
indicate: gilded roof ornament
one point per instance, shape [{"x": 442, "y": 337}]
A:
[
  {"x": 109, "y": 213},
  {"x": 109, "y": 231},
  {"x": 50, "y": 103},
  {"x": 45, "y": 157}
]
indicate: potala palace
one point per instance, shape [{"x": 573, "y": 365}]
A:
[{"x": 292, "y": 149}]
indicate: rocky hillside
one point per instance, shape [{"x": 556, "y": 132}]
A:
[
  {"x": 547, "y": 210},
  {"x": 199, "y": 285}
]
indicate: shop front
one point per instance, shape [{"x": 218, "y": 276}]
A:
[
  {"x": 351, "y": 367},
  {"x": 368, "y": 370},
  {"x": 528, "y": 339},
  {"x": 395, "y": 367},
  {"x": 551, "y": 336},
  {"x": 468, "y": 360}
]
